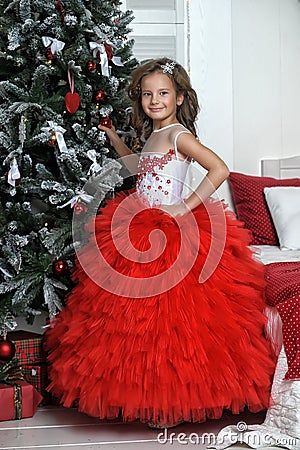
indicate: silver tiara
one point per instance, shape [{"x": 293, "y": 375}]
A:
[{"x": 168, "y": 67}]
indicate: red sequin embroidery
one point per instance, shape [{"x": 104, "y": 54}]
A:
[{"x": 148, "y": 164}]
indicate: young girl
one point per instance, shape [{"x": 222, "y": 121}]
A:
[{"x": 166, "y": 321}]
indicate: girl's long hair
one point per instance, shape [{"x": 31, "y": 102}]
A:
[{"x": 186, "y": 112}]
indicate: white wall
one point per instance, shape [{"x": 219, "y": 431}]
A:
[
  {"x": 211, "y": 75},
  {"x": 245, "y": 66}
]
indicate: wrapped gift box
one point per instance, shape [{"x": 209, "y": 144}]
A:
[
  {"x": 18, "y": 403},
  {"x": 29, "y": 347},
  {"x": 38, "y": 377}
]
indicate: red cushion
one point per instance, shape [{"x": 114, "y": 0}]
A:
[{"x": 251, "y": 207}]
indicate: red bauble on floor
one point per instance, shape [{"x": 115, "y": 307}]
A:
[{"x": 7, "y": 350}]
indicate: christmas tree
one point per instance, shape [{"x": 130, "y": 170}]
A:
[{"x": 64, "y": 67}]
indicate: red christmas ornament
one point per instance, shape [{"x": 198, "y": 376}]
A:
[
  {"x": 60, "y": 267},
  {"x": 100, "y": 96},
  {"x": 80, "y": 208},
  {"x": 7, "y": 350},
  {"x": 72, "y": 101},
  {"x": 91, "y": 66},
  {"x": 53, "y": 139},
  {"x": 106, "y": 122},
  {"x": 49, "y": 55},
  {"x": 109, "y": 52}
]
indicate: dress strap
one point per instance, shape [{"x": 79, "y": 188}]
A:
[{"x": 175, "y": 143}]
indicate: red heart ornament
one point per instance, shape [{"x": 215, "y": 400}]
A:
[{"x": 72, "y": 100}]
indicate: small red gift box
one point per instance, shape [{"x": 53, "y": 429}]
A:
[
  {"x": 29, "y": 347},
  {"x": 38, "y": 377},
  {"x": 18, "y": 401}
]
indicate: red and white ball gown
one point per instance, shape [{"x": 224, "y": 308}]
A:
[{"x": 166, "y": 321}]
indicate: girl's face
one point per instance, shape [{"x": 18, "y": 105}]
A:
[{"x": 159, "y": 100}]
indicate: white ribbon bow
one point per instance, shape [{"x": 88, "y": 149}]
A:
[
  {"x": 56, "y": 45},
  {"x": 59, "y": 131},
  {"x": 103, "y": 57},
  {"x": 117, "y": 61},
  {"x": 81, "y": 196},
  {"x": 13, "y": 173},
  {"x": 95, "y": 167}
]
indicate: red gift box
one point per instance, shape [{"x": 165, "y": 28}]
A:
[
  {"x": 13, "y": 406},
  {"x": 38, "y": 377},
  {"x": 29, "y": 347}
]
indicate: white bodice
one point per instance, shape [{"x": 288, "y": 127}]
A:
[
  {"x": 161, "y": 171},
  {"x": 161, "y": 178},
  {"x": 161, "y": 175}
]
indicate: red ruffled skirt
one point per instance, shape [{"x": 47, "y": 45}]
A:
[{"x": 166, "y": 320}]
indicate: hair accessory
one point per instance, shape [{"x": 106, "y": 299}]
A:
[{"x": 168, "y": 67}]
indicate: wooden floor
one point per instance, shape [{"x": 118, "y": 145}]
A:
[{"x": 54, "y": 427}]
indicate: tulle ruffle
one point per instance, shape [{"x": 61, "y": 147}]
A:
[{"x": 182, "y": 345}]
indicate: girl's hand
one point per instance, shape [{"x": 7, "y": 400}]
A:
[
  {"x": 110, "y": 132},
  {"x": 119, "y": 146},
  {"x": 175, "y": 210}
]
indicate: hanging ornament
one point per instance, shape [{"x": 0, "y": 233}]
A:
[
  {"x": 72, "y": 99},
  {"x": 57, "y": 137},
  {"x": 100, "y": 96},
  {"x": 13, "y": 176},
  {"x": 53, "y": 139},
  {"x": 100, "y": 52},
  {"x": 106, "y": 122},
  {"x": 49, "y": 55},
  {"x": 80, "y": 209},
  {"x": 7, "y": 350},
  {"x": 95, "y": 166},
  {"x": 60, "y": 267},
  {"x": 91, "y": 66},
  {"x": 9, "y": 322}
]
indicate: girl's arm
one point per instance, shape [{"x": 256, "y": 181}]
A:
[
  {"x": 217, "y": 172},
  {"x": 129, "y": 158}
]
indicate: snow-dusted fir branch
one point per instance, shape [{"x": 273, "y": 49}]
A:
[
  {"x": 7, "y": 89},
  {"x": 25, "y": 9},
  {"x": 52, "y": 300}
]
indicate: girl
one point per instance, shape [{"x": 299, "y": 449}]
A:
[{"x": 166, "y": 321}]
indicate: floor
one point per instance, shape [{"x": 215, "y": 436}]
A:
[{"x": 54, "y": 427}]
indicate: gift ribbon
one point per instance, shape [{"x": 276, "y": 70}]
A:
[
  {"x": 81, "y": 196},
  {"x": 95, "y": 166},
  {"x": 56, "y": 45},
  {"x": 95, "y": 47},
  {"x": 13, "y": 173},
  {"x": 59, "y": 131},
  {"x": 9, "y": 378},
  {"x": 5, "y": 369}
]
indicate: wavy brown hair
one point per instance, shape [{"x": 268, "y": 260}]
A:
[{"x": 186, "y": 112}]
